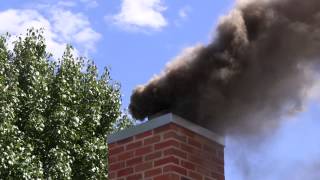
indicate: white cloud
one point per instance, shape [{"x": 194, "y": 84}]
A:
[
  {"x": 88, "y": 38},
  {"x": 60, "y": 27},
  {"x": 74, "y": 28},
  {"x": 314, "y": 92},
  {"x": 183, "y": 15},
  {"x": 141, "y": 14},
  {"x": 16, "y": 22},
  {"x": 184, "y": 12}
]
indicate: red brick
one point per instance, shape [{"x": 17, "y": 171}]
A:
[
  {"x": 143, "y": 151},
  {"x": 195, "y": 176},
  {"x": 111, "y": 175},
  {"x": 125, "y": 156},
  {"x": 134, "y": 161},
  {"x": 143, "y": 167},
  {"x": 134, "y": 145},
  {"x": 175, "y": 127},
  {"x": 112, "y": 145},
  {"x": 194, "y": 143},
  {"x": 173, "y": 168},
  {"x": 217, "y": 176},
  {"x": 116, "y": 166},
  {"x": 167, "y": 177},
  {"x": 174, "y": 135},
  {"x": 184, "y": 178},
  {"x": 135, "y": 177},
  {"x": 154, "y": 155},
  {"x": 153, "y": 172},
  {"x": 169, "y": 143},
  {"x": 188, "y": 165},
  {"x": 203, "y": 171},
  {"x": 168, "y": 152},
  {"x": 187, "y": 148},
  {"x": 195, "y": 159},
  {"x": 162, "y": 129},
  {"x": 176, "y": 152},
  {"x": 144, "y": 134},
  {"x": 112, "y": 159},
  {"x": 219, "y": 161},
  {"x": 206, "y": 157},
  {"x": 166, "y": 160},
  {"x": 125, "y": 141},
  {"x": 151, "y": 140},
  {"x": 125, "y": 172},
  {"x": 208, "y": 178},
  {"x": 117, "y": 150},
  {"x": 209, "y": 149},
  {"x": 220, "y": 169},
  {"x": 221, "y": 154},
  {"x": 187, "y": 132}
]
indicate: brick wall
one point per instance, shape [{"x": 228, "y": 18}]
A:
[{"x": 166, "y": 152}]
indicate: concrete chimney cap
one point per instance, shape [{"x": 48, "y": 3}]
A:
[{"x": 161, "y": 121}]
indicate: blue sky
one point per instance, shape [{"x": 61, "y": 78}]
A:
[{"x": 136, "y": 38}]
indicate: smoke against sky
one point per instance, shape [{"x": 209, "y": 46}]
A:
[
  {"x": 291, "y": 152},
  {"x": 255, "y": 71}
]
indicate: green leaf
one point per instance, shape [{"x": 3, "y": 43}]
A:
[{"x": 54, "y": 115}]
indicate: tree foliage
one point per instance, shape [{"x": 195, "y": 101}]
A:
[{"x": 55, "y": 115}]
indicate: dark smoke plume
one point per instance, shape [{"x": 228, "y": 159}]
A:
[{"x": 248, "y": 77}]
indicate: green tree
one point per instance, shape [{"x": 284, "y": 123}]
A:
[{"x": 55, "y": 115}]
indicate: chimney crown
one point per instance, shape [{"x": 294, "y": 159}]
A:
[{"x": 163, "y": 120}]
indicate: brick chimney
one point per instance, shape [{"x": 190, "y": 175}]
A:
[{"x": 164, "y": 148}]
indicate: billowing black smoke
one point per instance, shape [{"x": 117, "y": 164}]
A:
[{"x": 248, "y": 77}]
